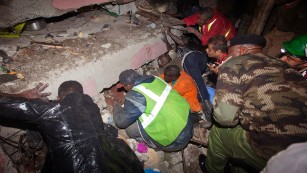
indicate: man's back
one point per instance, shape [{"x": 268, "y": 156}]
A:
[
  {"x": 272, "y": 101},
  {"x": 76, "y": 137}
]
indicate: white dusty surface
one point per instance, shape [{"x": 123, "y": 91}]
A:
[{"x": 96, "y": 48}]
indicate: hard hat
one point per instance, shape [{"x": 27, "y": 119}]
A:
[{"x": 297, "y": 46}]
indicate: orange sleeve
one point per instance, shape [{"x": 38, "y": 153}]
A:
[
  {"x": 162, "y": 76},
  {"x": 187, "y": 88}
]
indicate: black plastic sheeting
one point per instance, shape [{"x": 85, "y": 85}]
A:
[{"x": 76, "y": 137}]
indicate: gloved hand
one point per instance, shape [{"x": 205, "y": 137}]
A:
[{"x": 206, "y": 106}]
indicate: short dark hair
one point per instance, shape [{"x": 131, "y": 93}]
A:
[
  {"x": 172, "y": 70},
  {"x": 162, "y": 58},
  {"x": 218, "y": 42},
  {"x": 128, "y": 77},
  {"x": 207, "y": 12},
  {"x": 69, "y": 87}
]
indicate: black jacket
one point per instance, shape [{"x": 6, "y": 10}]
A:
[{"x": 74, "y": 133}]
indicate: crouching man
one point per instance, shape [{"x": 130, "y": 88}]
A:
[
  {"x": 153, "y": 112},
  {"x": 76, "y": 138}
]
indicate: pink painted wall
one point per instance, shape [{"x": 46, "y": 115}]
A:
[
  {"x": 90, "y": 88},
  {"x": 75, "y": 4},
  {"x": 148, "y": 53}
]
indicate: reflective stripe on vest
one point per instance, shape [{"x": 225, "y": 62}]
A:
[
  {"x": 209, "y": 26},
  {"x": 227, "y": 33},
  {"x": 158, "y": 99},
  {"x": 166, "y": 113}
]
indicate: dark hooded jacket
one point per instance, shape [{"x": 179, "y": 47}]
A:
[{"x": 74, "y": 133}]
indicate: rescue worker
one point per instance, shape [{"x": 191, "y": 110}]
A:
[
  {"x": 183, "y": 84},
  {"x": 211, "y": 23},
  {"x": 260, "y": 106},
  {"x": 194, "y": 63},
  {"x": 76, "y": 138},
  {"x": 217, "y": 49},
  {"x": 295, "y": 54},
  {"x": 163, "y": 60},
  {"x": 153, "y": 112}
]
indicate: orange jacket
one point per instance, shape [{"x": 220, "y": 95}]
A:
[{"x": 186, "y": 87}]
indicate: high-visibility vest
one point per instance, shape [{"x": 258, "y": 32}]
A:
[
  {"x": 166, "y": 113},
  {"x": 209, "y": 27}
]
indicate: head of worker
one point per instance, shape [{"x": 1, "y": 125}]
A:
[
  {"x": 69, "y": 87},
  {"x": 171, "y": 73},
  {"x": 245, "y": 44},
  {"x": 294, "y": 52},
  {"x": 217, "y": 46},
  {"x": 204, "y": 16},
  {"x": 163, "y": 60},
  {"x": 127, "y": 78}
]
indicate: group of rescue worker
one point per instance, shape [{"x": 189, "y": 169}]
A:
[{"x": 259, "y": 107}]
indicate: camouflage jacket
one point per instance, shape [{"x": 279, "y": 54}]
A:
[{"x": 266, "y": 97}]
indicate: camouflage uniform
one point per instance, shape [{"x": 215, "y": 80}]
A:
[{"x": 264, "y": 101}]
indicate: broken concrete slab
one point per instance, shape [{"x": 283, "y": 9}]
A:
[{"x": 88, "y": 60}]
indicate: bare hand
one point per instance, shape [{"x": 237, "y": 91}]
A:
[
  {"x": 36, "y": 92},
  {"x": 165, "y": 24},
  {"x": 214, "y": 68},
  {"x": 191, "y": 30},
  {"x": 167, "y": 30}
]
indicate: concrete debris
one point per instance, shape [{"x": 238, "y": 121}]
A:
[
  {"x": 122, "y": 9},
  {"x": 63, "y": 35},
  {"x": 107, "y": 117},
  {"x": 152, "y": 25},
  {"x": 107, "y": 45},
  {"x": 154, "y": 159},
  {"x": 163, "y": 167},
  {"x": 132, "y": 143},
  {"x": 191, "y": 153},
  {"x": 174, "y": 158},
  {"x": 143, "y": 157},
  {"x": 10, "y": 50},
  {"x": 177, "y": 168}
]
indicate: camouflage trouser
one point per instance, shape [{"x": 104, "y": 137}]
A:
[{"x": 226, "y": 143}]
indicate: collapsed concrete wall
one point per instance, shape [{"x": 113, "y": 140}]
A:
[
  {"x": 94, "y": 57},
  {"x": 15, "y": 11}
]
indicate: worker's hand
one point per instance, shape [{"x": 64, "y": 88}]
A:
[
  {"x": 36, "y": 93},
  {"x": 191, "y": 30},
  {"x": 165, "y": 24},
  {"x": 166, "y": 29},
  {"x": 214, "y": 68}
]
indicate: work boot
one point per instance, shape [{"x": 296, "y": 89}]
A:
[
  {"x": 202, "y": 163},
  {"x": 207, "y": 113}
]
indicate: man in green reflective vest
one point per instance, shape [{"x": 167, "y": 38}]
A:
[{"x": 153, "y": 112}]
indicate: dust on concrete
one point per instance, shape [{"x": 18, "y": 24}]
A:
[{"x": 81, "y": 44}]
